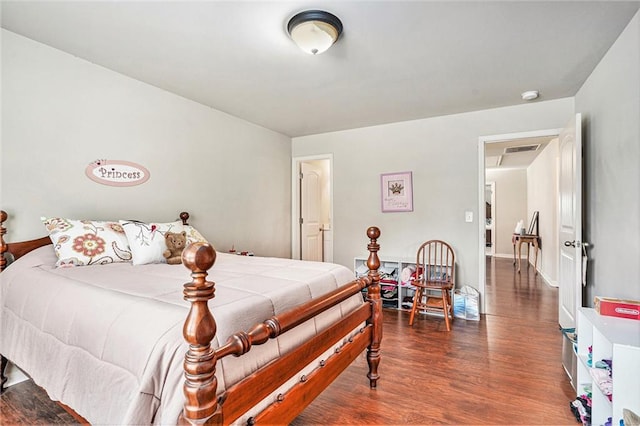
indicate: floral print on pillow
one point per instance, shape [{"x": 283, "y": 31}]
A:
[
  {"x": 87, "y": 242},
  {"x": 147, "y": 239},
  {"x": 193, "y": 236}
]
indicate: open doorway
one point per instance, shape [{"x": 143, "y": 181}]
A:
[
  {"x": 489, "y": 209},
  {"x": 312, "y": 208},
  {"x": 506, "y": 162}
]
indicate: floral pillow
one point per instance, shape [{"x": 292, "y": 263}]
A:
[
  {"x": 147, "y": 239},
  {"x": 87, "y": 242},
  {"x": 193, "y": 236}
]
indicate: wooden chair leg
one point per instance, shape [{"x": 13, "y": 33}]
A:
[
  {"x": 416, "y": 297},
  {"x": 445, "y": 309},
  {"x": 450, "y": 304}
]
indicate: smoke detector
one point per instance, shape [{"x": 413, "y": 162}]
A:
[{"x": 530, "y": 95}]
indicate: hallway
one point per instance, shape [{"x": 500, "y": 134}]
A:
[{"x": 522, "y": 295}]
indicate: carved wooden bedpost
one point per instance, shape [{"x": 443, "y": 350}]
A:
[
  {"x": 184, "y": 217},
  {"x": 373, "y": 296},
  {"x": 3, "y": 264},
  {"x": 200, "y": 384},
  {"x": 3, "y": 245}
]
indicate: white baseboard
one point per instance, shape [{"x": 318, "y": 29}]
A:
[
  {"x": 547, "y": 281},
  {"x": 508, "y": 256},
  {"x": 545, "y": 278}
]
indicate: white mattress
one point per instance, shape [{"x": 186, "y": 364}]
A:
[{"x": 107, "y": 339}]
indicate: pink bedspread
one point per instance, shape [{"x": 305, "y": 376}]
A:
[{"x": 107, "y": 339}]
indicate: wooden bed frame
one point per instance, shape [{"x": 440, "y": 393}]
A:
[{"x": 200, "y": 386}]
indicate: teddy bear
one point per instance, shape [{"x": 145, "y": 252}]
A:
[{"x": 176, "y": 242}]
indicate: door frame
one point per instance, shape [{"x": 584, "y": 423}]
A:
[
  {"x": 482, "y": 140},
  {"x": 492, "y": 184},
  {"x": 295, "y": 199}
]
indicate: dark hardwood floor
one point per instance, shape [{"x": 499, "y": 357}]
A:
[
  {"x": 27, "y": 404},
  {"x": 503, "y": 370}
]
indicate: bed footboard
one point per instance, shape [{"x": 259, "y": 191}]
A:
[{"x": 200, "y": 386}]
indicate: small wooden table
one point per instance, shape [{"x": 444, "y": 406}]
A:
[{"x": 519, "y": 239}]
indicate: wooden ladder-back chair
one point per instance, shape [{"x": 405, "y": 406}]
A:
[{"x": 435, "y": 280}]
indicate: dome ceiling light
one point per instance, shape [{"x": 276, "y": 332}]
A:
[{"x": 314, "y": 31}]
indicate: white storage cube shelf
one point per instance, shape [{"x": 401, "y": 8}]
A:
[
  {"x": 617, "y": 339},
  {"x": 390, "y": 271}
]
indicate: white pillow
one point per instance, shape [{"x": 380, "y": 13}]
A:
[
  {"x": 87, "y": 242},
  {"x": 147, "y": 239}
]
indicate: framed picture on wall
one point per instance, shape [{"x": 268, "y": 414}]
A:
[{"x": 396, "y": 192}]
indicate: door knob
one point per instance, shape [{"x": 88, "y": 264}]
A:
[{"x": 575, "y": 243}]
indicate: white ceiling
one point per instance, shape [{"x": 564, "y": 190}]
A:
[
  {"x": 396, "y": 60},
  {"x": 496, "y": 157}
]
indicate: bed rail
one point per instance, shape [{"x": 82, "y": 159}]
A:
[{"x": 200, "y": 386}]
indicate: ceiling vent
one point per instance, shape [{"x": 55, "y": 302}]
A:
[{"x": 521, "y": 148}]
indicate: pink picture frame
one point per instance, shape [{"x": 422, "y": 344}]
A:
[{"x": 396, "y": 192}]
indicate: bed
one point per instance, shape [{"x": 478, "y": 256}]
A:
[{"x": 281, "y": 331}]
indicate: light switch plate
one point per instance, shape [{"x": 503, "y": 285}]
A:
[{"x": 468, "y": 216}]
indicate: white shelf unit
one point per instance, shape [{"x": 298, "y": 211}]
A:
[
  {"x": 617, "y": 339},
  {"x": 393, "y": 267}
]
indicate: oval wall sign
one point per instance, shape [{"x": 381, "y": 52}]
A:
[{"x": 117, "y": 173}]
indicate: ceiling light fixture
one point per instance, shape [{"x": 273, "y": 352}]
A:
[
  {"x": 314, "y": 31},
  {"x": 530, "y": 95}
]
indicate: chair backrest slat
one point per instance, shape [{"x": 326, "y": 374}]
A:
[{"x": 437, "y": 260}]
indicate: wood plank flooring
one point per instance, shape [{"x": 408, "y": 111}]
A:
[
  {"x": 503, "y": 370},
  {"x": 27, "y": 404}
]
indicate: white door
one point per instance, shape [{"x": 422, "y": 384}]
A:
[
  {"x": 570, "y": 223},
  {"x": 311, "y": 212}
]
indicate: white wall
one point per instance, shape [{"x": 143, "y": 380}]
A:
[
  {"x": 442, "y": 153},
  {"x": 542, "y": 196},
  {"x": 59, "y": 113},
  {"x": 511, "y": 206},
  {"x": 610, "y": 105}
]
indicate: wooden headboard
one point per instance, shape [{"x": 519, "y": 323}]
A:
[{"x": 17, "y": 250}]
